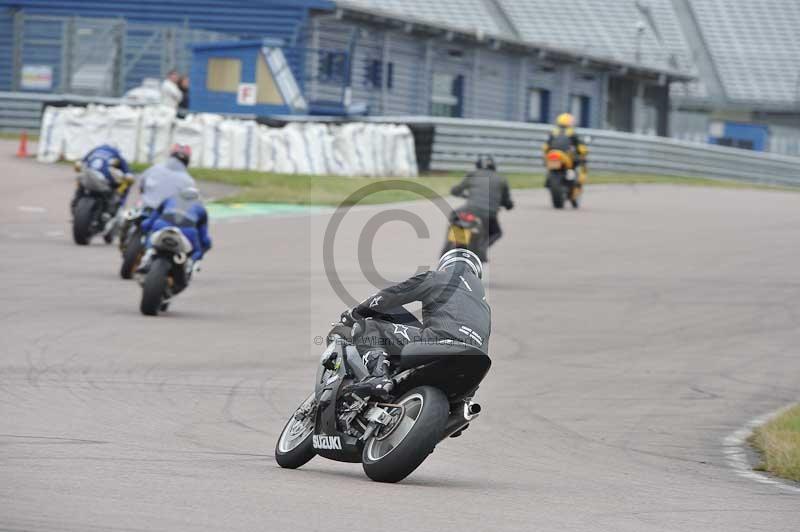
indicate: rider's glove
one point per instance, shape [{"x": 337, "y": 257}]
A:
[{"x": 348, "y": 317}]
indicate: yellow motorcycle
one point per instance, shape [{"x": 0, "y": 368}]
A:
[{"x": 564, "y": 182}]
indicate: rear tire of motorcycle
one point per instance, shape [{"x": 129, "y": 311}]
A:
[
  {"x": 299, "y": 455},
  {"x": 154, "y": 286},
  {"x": 82, "y": 221},
  {"x": 557, "y": 192},
  {"x": 132, "y": 256},
  {"x": 418, "y": 443},
  {"x": 575, "y": 197}
]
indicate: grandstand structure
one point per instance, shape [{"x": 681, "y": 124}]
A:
[
  {"x": 745, "y": 56},
  {"x": 724, "y": 71}
]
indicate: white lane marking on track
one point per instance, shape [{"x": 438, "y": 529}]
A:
[
  {"x": 735, "y": 445},
  {"x": 54, "y": 234},
  {"x": 31, "y": 208}
]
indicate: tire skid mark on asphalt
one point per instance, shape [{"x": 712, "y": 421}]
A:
[
  {"x": 737, "y": 453},
  {"x": 46, "y": 440},
  {"x": 227, "y": 409}
]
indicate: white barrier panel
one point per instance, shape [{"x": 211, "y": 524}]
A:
[
  {"x": 401, "y": 155},
  {"x": 85, "y": 129},
  {"x": 51, "y": 138},
  {"x": 155, "y": 134},
  {"x": 245, "y": 145},
  {"x": 123, "y": 129},
  {"x": 146, "y": 134},
  {"x": 212, "y": 141},
  {"x": 189, "y": 131},
  {"x": 334, "y": 161},
  {"x": 273, "y": 152},
  {"x": 298, "y": 148}
]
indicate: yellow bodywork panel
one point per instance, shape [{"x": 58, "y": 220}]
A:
[{"x": 459, "y": 235}]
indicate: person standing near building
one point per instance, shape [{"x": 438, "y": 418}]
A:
[
  {"x": 171, "y": 94},
  {"x": 183, "y": 85}
]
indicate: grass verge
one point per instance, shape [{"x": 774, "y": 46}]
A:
[
  {"x": 778, "y": 441},
  {"x": 259, "y": 187}
]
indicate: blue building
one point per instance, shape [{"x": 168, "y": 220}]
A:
[{"x": 346, "y": 56}]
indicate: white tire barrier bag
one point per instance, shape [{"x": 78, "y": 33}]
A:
[
  {"x": 245, "y": 145},
  {"x": 216, "y": 142},
  {"x": 273, "y": 152},
  {"x": 146, "y": 134},
  {"x": 123, "y": 129},
  {"x": 155, "y": 134},
  {"x": 51, "y": 136},
  {"x": 297, "y": 144},
  {"x": 85, "y": 129}
]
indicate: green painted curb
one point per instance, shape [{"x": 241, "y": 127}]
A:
[{"x": 240, "y": 210}]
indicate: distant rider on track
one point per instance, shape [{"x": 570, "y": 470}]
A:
[
  {"x": 486, "y": 191},
  {"x": 186, "y": 212},
  {"x": 109, "y": 161},
  {"x": 564, "y": 138},
  {"x": 165, "y": 180}
]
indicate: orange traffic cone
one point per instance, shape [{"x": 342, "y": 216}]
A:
[{"x": 22, "y": 152}]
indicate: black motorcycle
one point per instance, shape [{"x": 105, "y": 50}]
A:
[
  {"x": 431, "y": 400},
  {"x": 168, "y": 270},
  {"x": 132, "y": 241},
  {"x": 465, "y": 231},
  {"x": 94, "y": 208}
]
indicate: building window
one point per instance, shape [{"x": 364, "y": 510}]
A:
[
  {"x": 332, "y": 66},
  {"x": 538, "y": 105},
  {"x": 267, "y": 91},
  {"x": 581, "y": 109},
  {"x": 447, "y": 98},
  {"x": 223, "y": 74},
  {"x": 374, "y": 74}
]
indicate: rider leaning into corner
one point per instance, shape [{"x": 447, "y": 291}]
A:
[
  {"x": 454, "y": 310},
  {"x": 563, "y": 137},
  {"x": 186, "y": 212},
  {"x": 165, "y": 180},
  {"x": 107, "y": 160},
  {"x": 486, "y": 191}
]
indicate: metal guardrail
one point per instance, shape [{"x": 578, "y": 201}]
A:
[
  {"x": 517, "y": 148},
  {"x": 22, "y": 111}
]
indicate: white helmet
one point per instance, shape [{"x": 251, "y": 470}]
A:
[
  {"x": 190, "y": 194},
  {"x": 462, "y": 255}
]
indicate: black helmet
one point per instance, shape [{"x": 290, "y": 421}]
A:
[
  {"x": 462, "y": 255},
  {"x": 485, "y": 162},
  {"x": 182, "y": 152}
]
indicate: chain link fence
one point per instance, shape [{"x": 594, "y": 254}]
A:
[{"x": 96, "y": 56}]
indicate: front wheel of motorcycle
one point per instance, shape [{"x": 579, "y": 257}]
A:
[
  {"x": 82, "y": 220},
  {"x": 295, "y": 446},
  {"x": 395, "y": 451},
  {"x": 154, "y": 286}
]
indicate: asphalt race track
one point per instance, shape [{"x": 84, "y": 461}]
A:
[{"x": 629, "y": 339}]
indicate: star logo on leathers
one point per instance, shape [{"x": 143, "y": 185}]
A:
[
  {"x": 402, "y": 330},
  {"x": 375, "y": 301}
]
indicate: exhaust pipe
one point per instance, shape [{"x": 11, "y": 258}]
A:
[{"x": 460, "y": 418}]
